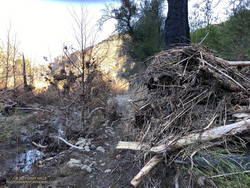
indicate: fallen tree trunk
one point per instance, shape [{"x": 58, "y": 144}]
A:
[
  {"x": 230, "y": 63},
  {"x": 239, "y": 63},
  {"x": 145, "y": 170},
  {"x": 215, "y": 133},
  {"x": 208, "y": 135}
]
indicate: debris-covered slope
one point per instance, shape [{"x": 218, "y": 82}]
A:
[{"x": 187, "y": 101}]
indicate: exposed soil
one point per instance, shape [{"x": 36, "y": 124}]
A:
[{"x": 97, "y": 165}]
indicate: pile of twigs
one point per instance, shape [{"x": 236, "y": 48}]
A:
[{"x": 190, "y": 97}]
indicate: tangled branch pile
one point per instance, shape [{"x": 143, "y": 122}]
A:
[{"x": 188, "y": 96}]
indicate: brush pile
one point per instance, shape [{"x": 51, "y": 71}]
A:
[{"x": 188, "y": 100}]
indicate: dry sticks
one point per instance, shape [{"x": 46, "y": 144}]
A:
[
  {"x": 208, "y": 135},
  {"x": 207, "y": 91}
]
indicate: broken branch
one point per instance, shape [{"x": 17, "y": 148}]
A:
[
  {"x": 208, "y": 135},
  {"x": 145, "y": 170},
  {"x": 66, "y": 142}
]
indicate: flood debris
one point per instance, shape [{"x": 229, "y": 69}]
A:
[{"x": 188, "y": 102}]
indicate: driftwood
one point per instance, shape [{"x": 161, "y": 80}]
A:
[
  {"x": 31, "y": 109},
  {"x": 193, "y": 92},
  {"x": 208, "y": 135},
  {"x": 145, "y": 170},
  {"x": 39, "y": 145},
  {"x": 66, "y": 142},
  {"x": 231, "y": 63},
  {"x": 93, "y": 111},
  {"x": 239, "y": 63}
]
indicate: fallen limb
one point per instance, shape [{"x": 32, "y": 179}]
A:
[
  {"x": 230, "y": 63},
  {"x": 131, "y": 145},
  {"x": 32, "y": 109},
  {"x": 66, "y": 142},
  {"x": 145, "y": 170},
  {"x": 239, "y": 63},
  {"x": 93, "y": 111},
  {"x": 39, "y": 145},
  {"x": 230, "y": 174},
  {"x": 208, "y": 135}
]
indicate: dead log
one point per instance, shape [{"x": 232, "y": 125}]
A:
[
  {"x": 208, "y": 135},
  {"x": 229, "y": 63},
  {"x": 215, "y": 133},
  {"x": 239, "y": 63},
  {"x": 145, "y": 170}
]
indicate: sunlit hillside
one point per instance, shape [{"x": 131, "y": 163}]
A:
[{"x": 107, "y": 55}]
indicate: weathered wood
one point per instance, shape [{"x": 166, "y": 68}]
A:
[
  {"x": 233, "y": 63},
  {"x": 39, "y": 145},
  {"x": 131, "y": 145},
  {"x": 239, "y": 63},
  {"x": 145, "y": 170},
  {"x": 177, "y": 30},
  {"x": 208, "y": 135},
  {"x": 67, "y": 143}
]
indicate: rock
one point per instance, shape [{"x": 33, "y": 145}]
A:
[
  {"x": 92, "y": 147},
  {"x": 87, "y": 168},
  {"x": 93, "y": 164},
  {"x": 86, "y": 148},
  {"x": 74, "y": 163},
  {"x": 107, "y": 171},
  {"x": 73, "y": 166},
  {"x": 101, "y": 149},
  {"x": 83, "y": 142},
  {"x": 103, "y": 164},
  {"x": 118, "y": 157}
]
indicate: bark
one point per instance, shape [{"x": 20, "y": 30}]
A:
[
  {"x": 7, "y": 61},
  {"x": 177, "y": 32},
  {"x": 239, "y": 63},
  {"x": 145, "y": 170},
  {"x": 25, "y": 84},
  {"x": 67, "y": 143},
  {"x": 208, "y": 135}
]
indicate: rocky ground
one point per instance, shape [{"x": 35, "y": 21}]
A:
[{"x": 97, "y": 164}]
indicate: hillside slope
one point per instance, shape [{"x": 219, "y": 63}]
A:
[
  {"x": 229, "y": 40},
  {"x": 109, "y": 57}
]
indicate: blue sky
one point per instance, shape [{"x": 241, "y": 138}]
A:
[{"x": 82, "y": 1}]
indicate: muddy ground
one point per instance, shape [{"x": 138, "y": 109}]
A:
[{"x": 29, "y": 157}]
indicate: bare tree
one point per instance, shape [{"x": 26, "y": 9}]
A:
[
  {"x": 25, "y": 83},
  {"x": 237, "y": 5},
  {"x": 85, "y": 36},
  {"x": 7, "y": 57},
  {"x": 14, "y": 67},
  {"x": 203, "y": 14}
]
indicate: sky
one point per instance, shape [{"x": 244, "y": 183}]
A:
[{"x": 42, "y": 27}]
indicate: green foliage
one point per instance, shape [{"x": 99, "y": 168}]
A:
[
  {"x": 230, "y": 40},
  {"x": 147, "y": 37},
  {"x": 125, "y": 16},
  {"x": 143, "y": 22}
]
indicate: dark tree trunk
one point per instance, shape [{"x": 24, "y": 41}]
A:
[
  {"x": 25, "y": 84},
  {"x": 176, "y": 25}
]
